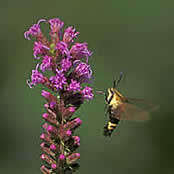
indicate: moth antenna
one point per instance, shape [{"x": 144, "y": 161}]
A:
[{"x": 115, "y": 83}]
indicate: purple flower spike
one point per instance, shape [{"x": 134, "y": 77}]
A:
[
  {"x": 79, "y": 51},
  {"x": 65, "y": 64},
  {"x": 39, "y": 49},
  {"x": 67, "y": 71},
  {"x": 47, "y": 63},
  {"x": 59, "y": 80},
  {"x": 36, "y": 77},
  {"x": 34, "y": 30},
  {"x": 74, "y": 86},
  {"x": 55, "y": 25},
  {"x": 87, "y": 92},
  {"x": 69, "y": 35},
  {"x": 63, "y": 49},
  {"x": 83, "y": 69}
]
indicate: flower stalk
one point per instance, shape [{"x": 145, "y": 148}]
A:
[{"x": 67, "y": 89}]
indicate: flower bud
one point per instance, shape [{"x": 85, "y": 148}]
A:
[
  {"x": 68, "y": 112},
  {"x": 53, "y": 166},
  {"x": 47, "y": 117},
  {"x": 46, "y": 149},
  {"x": 73, "y": 158},
  {"x": 61, "y": 157},
  {"x": 47, "y": 159},
  {"x": 53, "y": 147},
  {"x": 45, "y": 170},
  {"x": 46, "y": 138}
]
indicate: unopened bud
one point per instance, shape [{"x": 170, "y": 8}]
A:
[
  {"x": 73, "y": 158},
  {"x": 53, "y": 147},
  {"x": 62, "y": 157},
  {"x": 45, "y": 170}
]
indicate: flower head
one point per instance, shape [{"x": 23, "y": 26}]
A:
[
  {"x": 65, "y": 64},
  {"x": 79, "y": 51},
  {"x": 69, "y": 35},
  {"x": 87, "y": 93},
  {"x": 47, "y": 63},
  {"x": 83, "y": 69},
  {"x": 74, "y": 86},
  {"x": 59, "y": 80},
  {"x": 63, "y": 48},
  {"x": 39, "y": 49},
  {"x": 36, "y": 77},
  {"x": 34, "y": 30},
  {"x": 55, "y": 25}
]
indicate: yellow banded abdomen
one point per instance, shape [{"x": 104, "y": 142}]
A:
[{"x": 111, "y": 125}]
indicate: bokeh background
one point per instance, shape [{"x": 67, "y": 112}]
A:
[{"x": 136, "y": 37}]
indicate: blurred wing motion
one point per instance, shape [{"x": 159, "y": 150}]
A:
[{"x": 137, "y": 110}]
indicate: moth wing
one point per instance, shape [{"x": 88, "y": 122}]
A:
[
  {"x": 143, "y": 104},
  {"x": 133, "y": 112}
]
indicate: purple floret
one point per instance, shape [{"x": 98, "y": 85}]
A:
[
  {"x": 87, "y": 93},
  {"x": 36, "y": 77},
  {"x": 34, "y": 30},
  {"x": 39, "y": 49},
  {"x": 74, "y": 86},
  {"x": 63, "y": 48},
  {"x": 55, "y": 25},
  {"x": 83, "y": 70},
  {"x": 69, "y": 34},
  {"x": 47, "y": 63},
  {"x": 65, "y": 64},
  {"x": 59, "y": 80},
  {"x": 79, "y": 51}
]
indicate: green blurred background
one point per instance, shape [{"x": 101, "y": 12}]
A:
[{"x": 136, "y": 37}]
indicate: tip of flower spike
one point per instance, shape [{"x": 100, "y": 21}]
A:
[
  {"x": 53, "y": 166},
  {"x": 62, "y": 157},
  {"x": 53, "y": 147}
]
